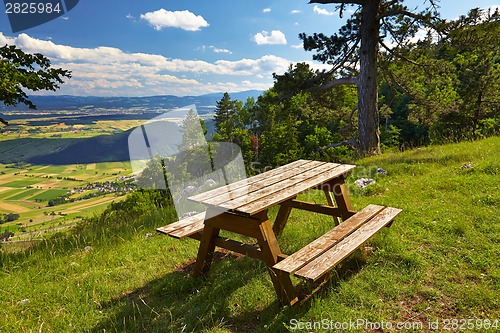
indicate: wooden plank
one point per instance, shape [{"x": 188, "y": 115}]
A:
[
  {"x": 188, "y": 230},
  {"x": 206, "y": 250},
  {"x": 325, "y": 262},
  {"x": 243, "y": 193},
  {"x": 281, "y": 219},
  {"x": 341, "y": 195},
  {"x": 182, "y": 223},
  {"x": 287, "y": 189},
  {"x": 314, "y": 249},
  {"x": 242, "y": 225},
  {"x": 268, "y": 244},
  {"x": 238, "y": 247},
  {"x": 317, "y": 208},
  {"x": 287, "y": 182},
  {"x": 331, "y": 203},
  {"x": 245, "y": 182}
]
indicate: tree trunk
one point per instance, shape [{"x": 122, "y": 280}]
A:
[{"x": 368, "y": 122}]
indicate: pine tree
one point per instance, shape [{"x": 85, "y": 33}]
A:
[{"x": 354, "y": 50}]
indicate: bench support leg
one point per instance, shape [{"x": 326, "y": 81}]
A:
[
  {"x": 282, "y": 282},
  {"x": 206, "y": 250}
]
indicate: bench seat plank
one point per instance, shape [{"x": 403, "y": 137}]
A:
[
  {"x": 314, "y": 249},
  {"x": 185, "y": 227},
  {"x": 325, "y": 262}
]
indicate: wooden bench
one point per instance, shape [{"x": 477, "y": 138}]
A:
[
  {"x": 184, "y": 228},
  {"x": 323, "y": 254}
]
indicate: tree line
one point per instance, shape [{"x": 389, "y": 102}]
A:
[{"x": 435, "y": 90}]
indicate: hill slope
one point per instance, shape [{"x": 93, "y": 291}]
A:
[{"x": 439, "y": 261}]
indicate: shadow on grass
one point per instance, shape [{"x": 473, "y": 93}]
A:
[{"x": 178, "y": 302}]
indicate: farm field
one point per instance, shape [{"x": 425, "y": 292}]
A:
[
  {"x": 27, "y": 190},
  {"x": 52, "y": 165}
]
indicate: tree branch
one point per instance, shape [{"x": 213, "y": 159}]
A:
[
  {"x": 325, "y": 2},
  {"x": 400, "y": 12},
  {"x": 344, "y": 80},
  {"x": 391, "y": 51},
  {"x": 350, "y": 143}
]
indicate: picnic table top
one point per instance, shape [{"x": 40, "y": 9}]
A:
[{"x": 255, "y": 194}]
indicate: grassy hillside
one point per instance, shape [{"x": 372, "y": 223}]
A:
[{"x": 439, "y": 261}]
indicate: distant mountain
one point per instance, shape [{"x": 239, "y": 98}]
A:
[{"x": 204, "y": 103}]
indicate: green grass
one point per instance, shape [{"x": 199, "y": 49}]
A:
[
  {"x": 22, "y": 183},
  {"x": 49, "y": 194},
  {"x": 20, "y": 195},
  {"x": 438, "y": 261}
]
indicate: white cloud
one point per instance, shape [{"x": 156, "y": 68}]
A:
[
  {"x": 178, "y": 19},
  {"x": 217, "y": 50},
  {"x": 108, "y": 71},
  {"x": 266, "y": 38},
  {"x": 296, "y": 11},
  {"x": 297, "y": 46},
  {"x": 322, "y": 11},
  {"x": 214, "y": 49},
  {"x": 266, "y": 10}
]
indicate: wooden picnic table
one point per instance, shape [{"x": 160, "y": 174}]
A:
[{"x": 242, "y": 207}]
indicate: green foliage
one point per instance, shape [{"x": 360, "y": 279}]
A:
[
  {"x": 11, "y": 217},
  {"x": 19, "y": 70},
  {"x": 114, "y": 274},
  {"x": 443, "y": 90}
]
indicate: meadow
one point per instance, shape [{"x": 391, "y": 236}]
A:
[
  {"x": 27, "y": 189},
  {"x": 437, "y": 264},
  {"x": 57, "y": 140}
]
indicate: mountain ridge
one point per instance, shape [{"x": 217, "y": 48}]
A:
[{"x": 204, "y": 103}]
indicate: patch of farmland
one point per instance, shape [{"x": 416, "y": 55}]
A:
[
  {"x": 23, "y": 194},
  {"x": 49, "y": 194},
  {"x": 12, "y": 208},
  {"x": 21, "y": 183}
]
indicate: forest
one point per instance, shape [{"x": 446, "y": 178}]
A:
[{"x": 441, "y": 89}]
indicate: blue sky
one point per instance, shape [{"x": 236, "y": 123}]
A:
[{"x": 190, "y": 47}]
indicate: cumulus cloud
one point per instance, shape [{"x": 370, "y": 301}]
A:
[
  {"x": 178, "y": 19},
  {"x": 296, "y": 11},
  {"x": 322, "y": 11},
  {"x": 108, "y": 71},
  {"x": 266, "y": 38},
  {"x": 266, "y": 10}
]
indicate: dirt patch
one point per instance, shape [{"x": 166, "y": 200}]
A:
[
  {"x": 13, "y": 208},
  {"x": 48, "y": 184}
]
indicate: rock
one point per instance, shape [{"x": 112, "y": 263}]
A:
[
  {"x": 23, "y": 301},
  {"x": 87, "y": 248},
  {"x": 364, "y": 182},
  {"x": 381, "y": 171}
]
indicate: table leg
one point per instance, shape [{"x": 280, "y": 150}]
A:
[
  {"x": 331, "y": 203},
  {"x": 341, "y": 195},
  {"x": 281, "y": 219},
  {"x": 206, "y": 250},
  {"x": 282, "y": 282}
]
